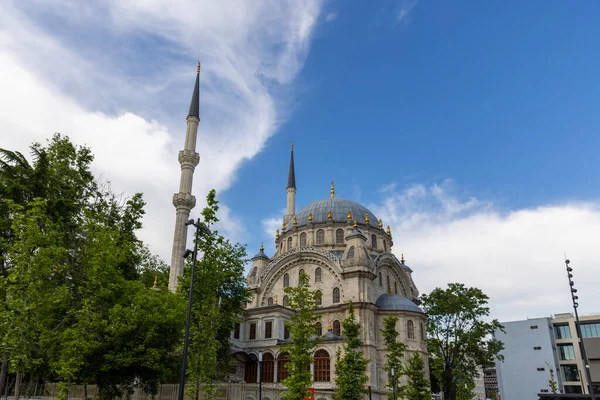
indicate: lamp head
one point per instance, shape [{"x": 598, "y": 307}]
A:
[
  {"x": 189, "y": 222},
  {"x": 187, "y": 253}
]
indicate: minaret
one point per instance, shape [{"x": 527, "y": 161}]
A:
[
  {"x": 291, "y": 190},
  {"x": 184, "y": 201}
]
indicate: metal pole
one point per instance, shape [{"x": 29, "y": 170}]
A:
[
  {"x": 394, "y": 383},
  {"x": 189, "y": 314},
  {"x": 260, "y": 375},
  {"x": 578, "y": 332},
  {"x": 370, "y": 393}
]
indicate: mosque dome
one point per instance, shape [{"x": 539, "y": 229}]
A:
[
  {"x": 339, "y": 210},
  {"x": 395, "y": 302}
]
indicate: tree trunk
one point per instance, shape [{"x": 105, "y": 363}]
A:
[
  {"x": 18, "y": 386},
  {"x": 449, "y": 385},
  {"x": 3, "y": 372}
]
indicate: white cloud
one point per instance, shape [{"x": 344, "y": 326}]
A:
[
  {"x": 270, "y": 225},
  {"x": 118, "y": 77},
  {"x": 331, "y": 16},
  {"x": 405, "y": 10},
  {"x": 515, "y": 257}
]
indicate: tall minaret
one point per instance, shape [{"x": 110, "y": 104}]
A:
[
  {"x": 291, "y": 190},
  {"x": 184, "y": 201}
]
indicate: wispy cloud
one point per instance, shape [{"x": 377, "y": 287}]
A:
[
  {"x": 406, "y": 8},
  {"x": 331, "y": 16}
]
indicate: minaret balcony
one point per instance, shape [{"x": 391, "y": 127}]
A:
[
  {"x": 184, "y": 200},
  {"x": 189, "y": 158}
]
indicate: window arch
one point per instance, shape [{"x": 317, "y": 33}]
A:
[
  {"x": 339, "y": 236},
  {"x": 389, "y": 287},
  {"x": 384, "y": 246},
  {"x": 300, "y": 274},
  {"x": 286, "y": 280},
  {"x": 282, "y": 366},
  {"x": 337, "y": 328},
  {"x": 289, "y": 243},
  {"x": 254, "y": 272},
  {"x": 322, "y": 366},
  {"x": 285, "y": 301},
  {"x": 395, "y": 287},
  {"x": 318, "y": 329},
  {"x": 268, "y": 368},
  {"x": 320, "y": 236},
  {"x": 318, "y": 298},
  {"x": 318, "y": 274},
  {"x": 410, "y": 329},
  {"x": 336, "y": 295},
  {"x": 422, "y": 332},
  {"x": 373, "y": 241},
  {"x": 303, "y": 239},
  {"x": 380, "y": 280},
  {"x": 351, "y": 252},
  {"x": 270, "y": 301},
  {"x": 281, "y": 247}
]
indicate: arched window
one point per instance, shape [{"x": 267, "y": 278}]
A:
[
  {"x": 281, "y": 247},
  {"x": 410, "y": 329},
  {"x": 339, "y": 236},
  {"x": 374, "y": 241},
  {"x": 254, "y": 272},
  {"x": 286, "y": 332},
  {"x": 318, "y": 275},
  {"x": 289, "y": 243},
  {"x": 318, "y": 329},
  {"x": 351, "y": 252},
  {"x": 270, "y": 301},
  {"x": 422, "y": 332},
  {"x": 303, "y": 239},
  {"x": 320, "y": 236},
  {"x": 285, "y": 301},
  {"x": 250, "y": 370},
  {"x": 322, "y": 366},
  {"x": 336, "y": 295},
  {"x": 337, "y": 328},
  {"x": 395, "y": 287},
  {"x": 286, "y": 280},
  {"x": 389, "y": 287},
  {"x": 268, "y": 368},
  {"x": 300, "y": 273},
  {"x": 318, "y": 298},
  {"x": 384, "y": 246},
  {"x": 282, "y": 366},
  {"x": 380, "y": 280}
]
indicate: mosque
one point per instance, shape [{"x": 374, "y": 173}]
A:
[{"x": 346, "y": 252}]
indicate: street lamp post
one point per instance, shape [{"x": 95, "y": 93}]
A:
[
  {"x": 200, "y": 228},
  {"x": 260, "y": 375},
  {"x": 394, "y": 383},
  {"x": 574, "y": 297}
]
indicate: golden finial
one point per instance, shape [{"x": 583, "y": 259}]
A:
[
  {"x": 389, "y": 289},
  {"x": 277, "y": 234},
  {"x": 366, "y": 218},
  {"x": 275, "y": 299},
  {"x": 354, "y": 224},
  {"x": 310, "y": 217},
  {"x": 261, "y": 246},
  {"x": 402, "y": 258},
  {"x": 292, "y": 146},
  {"x": 295, "y": 221},
  {"x": 349, "y": 215},
  {"x": 380, "y": 224},
  {"x": 283, "y": 227},
  {"x": 198, "y": 66},
  {"x": 332, "y": 189},
  {"x": 329, "y": 328},
  {"x": 388, "y": 231},
  {"x": 329, "y": 215},
  {"x": 155, "y": 280}
]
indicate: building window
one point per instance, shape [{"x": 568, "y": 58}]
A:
[
  {"x": 339, "y": 236},
  {"x": 252, "y": 335},
  {"x": 389, "y": 287},
  {"x": 322, "y": 367},
  {"x": 374, "y": 241},
  {"x": 562, "y": 331},
  {"x": 250, "y": 370},
  {"x": 351, "y": 252},
  {"x": 318, "y": 298},
  {"x": 282, "y": 366},
  {"x": 320, "y": 236},
  {"x": 286, "y": 280},
  {"x": 422, "y": 332},
  {"x": 318, "y": 329},
  {"x": 318, "y": 275},
  {"x": 380, "y": 280},
  {"x": 337, "y": 328},
  {"x": 289, "y": 243},
  {"x": 285, "y": 301},
  {"x": 254, "y": 272},
  {"x": 384, "y": 246},
  {"x": 410, "y": 329},
  {"x": 336, "y": 295},
  {"x": 590, "y": 330},
  {"x": 270, "y": 301},
  {"x": 300, "y": 273},
  {"x": 286, "y": 332},
  {"x": 566, "y": 351},
  {"x": 268, "y": 329},
  {"x": 268, "y": 368},
  {"x": 573, "y": 389},
  {"x": 533, "y": 327},
  {"x": 570, "y": 373},
  {"x": 541, "y": 369},
  {"x": 236, "y": 331},
  {"x": 537, "y": 347},
  {"x": 303, "y": 239},
  {"x": 395, "y": 287}
]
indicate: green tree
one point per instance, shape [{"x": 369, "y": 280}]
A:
[
  {"x": 459, "y": 337},
  {"x": 395, "y": 353},
  {"x": 351, "y": 368},
  {"x": 552, "y": 385},
  {"x": 301, "y": 299},
  {"x": 417, "y": 387},
  {"x": 219, "y": 299}
]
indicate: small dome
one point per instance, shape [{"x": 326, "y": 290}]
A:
[
  {"x": 339, "y": 211},
  {"x": 261, "y": 254},
  {"x": 395, "y": 302}
]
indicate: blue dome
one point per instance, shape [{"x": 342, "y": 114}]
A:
[
  {"x": 339, "y": 209},
  {"x": 395, "y": 302}
]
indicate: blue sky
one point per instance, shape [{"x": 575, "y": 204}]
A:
[{"x": 470, "y": 128}]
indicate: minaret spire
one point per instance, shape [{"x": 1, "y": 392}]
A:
[
  {"x": 183, "y": 201},
  {"x": 291, "y": 190}
]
